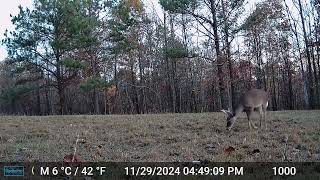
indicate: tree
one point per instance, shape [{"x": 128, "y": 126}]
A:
[
  {"x": 113, "y": 56},
  {"x": 49, "y": 37},
  {"x": 310, "y": 77},
  {"x": 125, "y": 39}
]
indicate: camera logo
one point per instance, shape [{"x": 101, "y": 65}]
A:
[{"x": 13, "y": 170}]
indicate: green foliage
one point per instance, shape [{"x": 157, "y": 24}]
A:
[
  {"x": 178, "y": 6},
  {"x": 177, "y": 52},
  {"x": 123, "y": 13},
  {"x": 236, "y": 3},
  {"x": 261, "y": 16},
  {"x": 72, "y": 63},
  {"x": 175, "y": 49},
  {"x": 127, "y": 14},
  {"x": 50, "y": 31},
  {"x": 94, "y": 83},
  {"x": 9, "y": 95}
]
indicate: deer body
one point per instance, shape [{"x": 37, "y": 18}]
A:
[{"x": 253, "y": 99}]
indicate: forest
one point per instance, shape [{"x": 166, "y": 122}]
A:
[{"x": 170, "y": 56}]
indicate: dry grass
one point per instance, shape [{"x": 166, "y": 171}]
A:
[{"x": 162, "y": 137}]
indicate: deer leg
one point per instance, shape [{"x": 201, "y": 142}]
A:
[
  {"x": 249, "y": 124},
  {"x": 248, "y": 116},
  {"x": 249, "y": 111},
  {"x": 261, "y": 115},
  {"x": 252, "y": 123},
  {"x": 264, "y": 118}
]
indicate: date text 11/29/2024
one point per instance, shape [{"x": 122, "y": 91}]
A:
[
  {"x": 205, "y": 171},
  {"x": 186, "y": 171}
]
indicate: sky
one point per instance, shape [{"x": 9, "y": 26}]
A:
[
  {"x": 6, "y": 8},
  {"x": 11, "y": 7}
]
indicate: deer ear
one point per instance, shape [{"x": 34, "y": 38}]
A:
[{"x": 227, "y": 112}]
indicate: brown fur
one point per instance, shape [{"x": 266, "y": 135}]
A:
[{"x": 253, "y": 99}]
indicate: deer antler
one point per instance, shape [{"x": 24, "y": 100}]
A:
[{"x": 227, "y": 112}]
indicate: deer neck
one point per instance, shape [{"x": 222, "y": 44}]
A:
[{"x": 238, "y": 110}]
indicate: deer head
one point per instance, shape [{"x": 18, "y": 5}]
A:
[
  {"x": 253, "y": 99},
  {"x": 230, "y": 118}
]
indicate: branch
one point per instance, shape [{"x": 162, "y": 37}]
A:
[
  {"x": 44, "y": 58},
  {"x": 201, "y": 17},
  {"x": 42, "y": 67},
  {"x": 206, "y": 34}
]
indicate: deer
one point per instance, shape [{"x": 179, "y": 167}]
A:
[{"x": 252, "y": 99}]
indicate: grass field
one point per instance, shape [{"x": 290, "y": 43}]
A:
[{"x": 291, "y": 136}]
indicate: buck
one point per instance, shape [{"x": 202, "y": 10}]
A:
[{"x": 253, "y": 99}]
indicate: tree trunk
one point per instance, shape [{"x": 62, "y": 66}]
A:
[
  {"x": 60, "y": 86},
  {"x": 228, "y": 56},
  {"x": 38, "y": 100},
  {"x": 223, "y": 103},
  {"x": 169, "y": 81},
  {"x": 257, "y": 49},
  {"x": 96, "y": 100},
  {"x": 47, "y": 101},
  {"x": 316, "y": 85},
  {"x": 290, "y": 93},
  {"x": 316, "y": 99},
  {"x": 274, "y": 97},
  {"x": 305, "y": 81},
  {"x": 318, "y": 62},
  {"x": 61, "y": 98},
  {"x": 174, "y": 88},
  {"x": 310, "y": 78},
  {"x": 134, "y": 88},
  {"x": 142, "y": 81}
]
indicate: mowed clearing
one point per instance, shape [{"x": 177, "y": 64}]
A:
[{"x": 291, "y": 136}]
